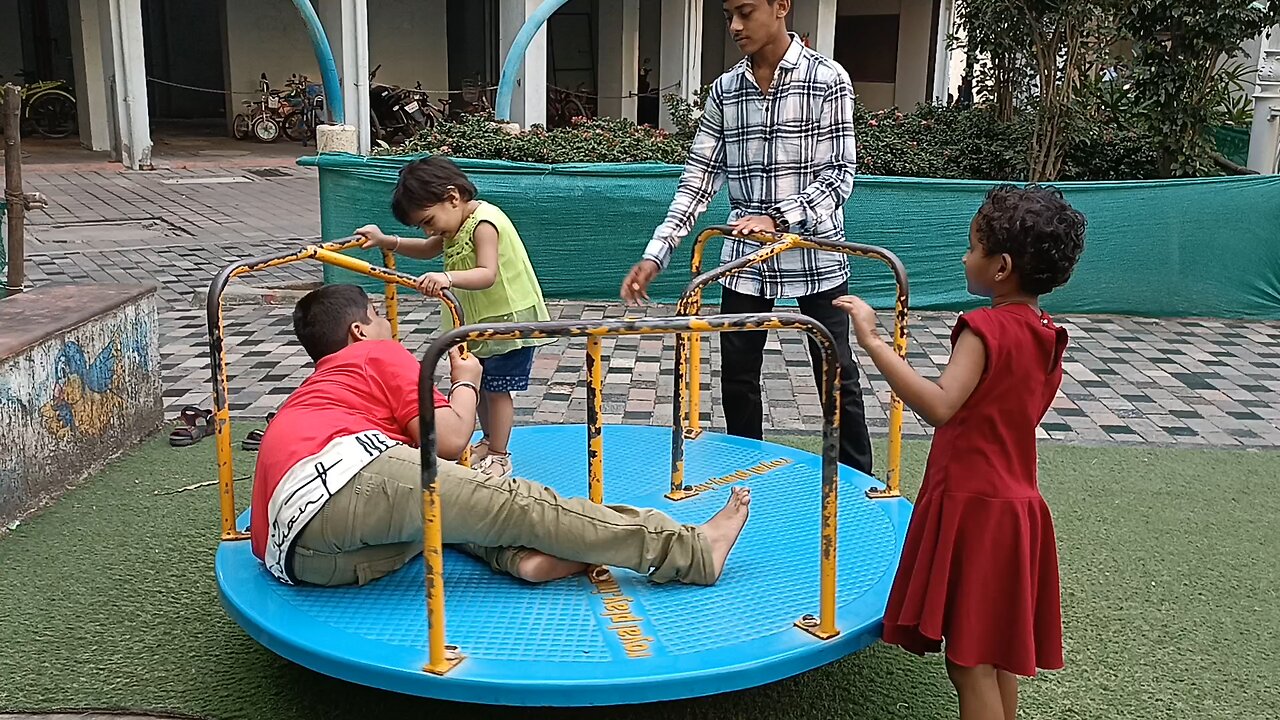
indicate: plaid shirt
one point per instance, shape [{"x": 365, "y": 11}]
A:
[{"x": 792, "y": 151}]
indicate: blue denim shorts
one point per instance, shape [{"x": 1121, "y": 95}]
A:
[{"x": 508, "y": 372}]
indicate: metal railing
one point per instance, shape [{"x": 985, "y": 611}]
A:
[
  {"x": 689, "y": 347},
  {"x": 329, "y": 254},
  {"x": 444, "y": 657}
]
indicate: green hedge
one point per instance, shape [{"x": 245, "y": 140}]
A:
[{"x": 932, "y": 141}]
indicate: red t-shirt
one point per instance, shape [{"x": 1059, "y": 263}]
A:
[{"x": 368, "y": 385}]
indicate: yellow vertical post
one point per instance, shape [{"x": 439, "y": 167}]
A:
[
  {"x": 432, "y": 552},
  {"x": 694, "y": 427},
  {"x": 893, "y": 476},
  {"x": 595, "y": 411},
  {"x": 393, "y": 300},
  {"x": 222, "y": 438},
  {"x": 830, "y": 529},
  {"x": 692, "y": 403},
  {"x": 893, "y": 471}
]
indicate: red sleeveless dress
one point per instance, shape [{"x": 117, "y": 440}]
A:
[{"x": 980, "y": 564}]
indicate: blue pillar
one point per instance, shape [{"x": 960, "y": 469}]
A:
[
  {"x": 324, "y": 58},
  {"x": 515, "y": 56}
]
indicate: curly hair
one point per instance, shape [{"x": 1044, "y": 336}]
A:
[{"x": 1037, "y": 228}]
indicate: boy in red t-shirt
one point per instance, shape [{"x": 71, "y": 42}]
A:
[{"x": 337, "y": 498}]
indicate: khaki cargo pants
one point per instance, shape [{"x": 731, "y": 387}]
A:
[{"x": 373, "y": 526}]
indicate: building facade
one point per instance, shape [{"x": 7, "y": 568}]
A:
[{"x": 135, "y": 64}]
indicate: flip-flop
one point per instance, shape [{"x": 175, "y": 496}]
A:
[
  {"x": 253, "y": 440},
  {"x": 197, "y": 424}
]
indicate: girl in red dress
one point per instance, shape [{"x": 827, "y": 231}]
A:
[{"x": 979, "y": 566}]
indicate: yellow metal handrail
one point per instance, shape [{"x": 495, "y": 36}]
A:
[
  {"x": 328, "y": 253},
  {"x": 442, "y": 658},
  {"x": 689, "y": 348}
]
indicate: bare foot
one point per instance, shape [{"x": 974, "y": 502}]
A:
[
  {"x": 539, "y": 567},
  {"x": 723, "y": 529}
]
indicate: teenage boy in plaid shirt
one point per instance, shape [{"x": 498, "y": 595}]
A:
[{"x": 778, "y": 128}]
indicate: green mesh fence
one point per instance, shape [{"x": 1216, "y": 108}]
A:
[
  {"x": 1175, "y": 248},
  {"x": 1233, "y": 143}
]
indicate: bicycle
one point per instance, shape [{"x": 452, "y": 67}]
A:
[
  {"x": 565, "y": 106},
  {"x": 48, "y": 106},
  {"x": 262, "y": 117},
  {"x": 307, "y": 99}
]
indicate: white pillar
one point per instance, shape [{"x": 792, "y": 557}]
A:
[
  {"x": 911, "y": 83},
  {"x": 818, "y": 19},
  {"x": 355, "y": 70},
  {"x": 529, "y": 103},
  {"x": 132, "y": 114},
  {"x": 619, "y": 57},
  {"x": 1264, "y": 139},
  {"x": 92, "y": 105},
  {"x": 942, "y": 55},
  {"x": 680, "y": 70}
]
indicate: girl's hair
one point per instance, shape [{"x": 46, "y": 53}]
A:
[
  {"x": 1036, "y": 227},
  {"x": 426, "y": 182}
]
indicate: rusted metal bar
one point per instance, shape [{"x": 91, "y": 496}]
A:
[
  {"x": 595, "y": 420},
  {"x": 824, "y": 626},
  {"x": 329, "y": 253},
  {"x": 691, "y": 304},
  {"x": 13, "y": 194},
  {"x": 391, "y": 295},
  {"x": 689, "y": 352}
]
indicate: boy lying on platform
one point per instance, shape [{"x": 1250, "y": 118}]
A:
[{"x": 337, "y": 498}]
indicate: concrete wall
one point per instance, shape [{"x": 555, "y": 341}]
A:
[
  {"x": 915, "y": 50},
  {"x": 407, "y": 37},
  {"x": 79, "y": 383},
  {"x": 10, "y": 42},
  {"x": 264, "y": 37}
]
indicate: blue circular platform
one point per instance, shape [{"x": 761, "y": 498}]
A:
[{"x": 558, "y": 644}]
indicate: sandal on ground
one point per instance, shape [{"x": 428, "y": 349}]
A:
[
  {"x": 253, "y": 440},
  {"x": 197, "y": 424}
]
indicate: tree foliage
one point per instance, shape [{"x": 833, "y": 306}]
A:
[
  {"x": 1166, "y": 68},
  {"x": 1183, "y": 70}
]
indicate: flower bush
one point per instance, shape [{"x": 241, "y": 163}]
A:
[{"x": 933, "y": 141}]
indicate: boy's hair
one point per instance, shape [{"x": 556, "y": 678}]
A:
[
  {"x": 425, "y": 182},
  {"x": 1036, "y": 227},
  {"x": 322, "y": 318}
]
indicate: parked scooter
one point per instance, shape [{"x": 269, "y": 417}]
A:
[{"x": 390, "y": 120}]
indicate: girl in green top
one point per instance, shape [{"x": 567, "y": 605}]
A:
[{"x": 486, "y": 266}]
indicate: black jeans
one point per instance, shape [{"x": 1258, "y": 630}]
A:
[{"x": 742, "y": 354}]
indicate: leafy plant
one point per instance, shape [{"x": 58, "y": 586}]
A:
[
  {"x": 932, "y": 141},
  {"x": 995, "y": 39},
  {"x": 1180, "y": 80}
]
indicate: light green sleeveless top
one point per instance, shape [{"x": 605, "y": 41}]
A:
[{"x": 515, "y": 295}]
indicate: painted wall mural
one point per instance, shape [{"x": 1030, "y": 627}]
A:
[{"x": 77, "y": 398}]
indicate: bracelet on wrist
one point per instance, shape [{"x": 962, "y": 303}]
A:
[
  {"x": 464, "y": 383},
  {"x": 397, "y": 245}
]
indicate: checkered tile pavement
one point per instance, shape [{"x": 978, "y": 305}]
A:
[
  {"x": 1128, "y": 380},
  {"x": 1192, "y": 382}
]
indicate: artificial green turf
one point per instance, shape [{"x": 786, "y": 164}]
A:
[{"x": 1171, "y": 594}]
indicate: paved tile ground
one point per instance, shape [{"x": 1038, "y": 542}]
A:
[
  {"x": 1128, "y": 380},
  {"x": 1190, "y": 382}
]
